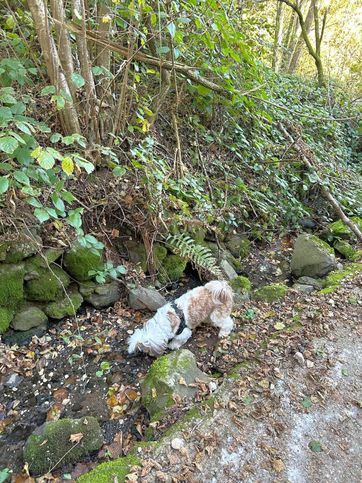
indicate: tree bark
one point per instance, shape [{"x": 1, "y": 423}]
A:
[
  {"x": 279, "y": 26},
  {"x": 296, "y": 54},
  {"x": 40, "y": 14}
]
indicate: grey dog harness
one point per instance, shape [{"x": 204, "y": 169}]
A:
[{"x": 181, "y": 316}]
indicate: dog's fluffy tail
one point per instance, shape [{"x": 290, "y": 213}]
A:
[
  {"x": 135, "y": 341},
  {"x": 221, "y": 292}
]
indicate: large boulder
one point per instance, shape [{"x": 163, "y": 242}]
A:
[
  {"x": 103, "y": 295},
  {"x": 49, "y": 285},
  {"x": 146, "y": 298},
  {"x": 170, "y": 377},
  {"x": 27, "y": 317},
  {"x": 53, "y": 445},
  {"x": 79, "y": 261},
  {"x": 312, "y": 257},
  {"x": 67, "y": 305},
  {"x": 14, "y": 251}
]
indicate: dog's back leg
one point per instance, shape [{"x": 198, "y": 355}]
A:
[{"x": 180, "y": 339}]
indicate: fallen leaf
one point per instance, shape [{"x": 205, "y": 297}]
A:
[
  {"x": 315, "y": 446},
  {"x": 279, "y": 326},
  {"x": 60, "y": 394},
  {"x": 76, "y": 438},
  {"x": 278, "y": 465},
  {"x": 44, "y": 442},
  {"x": 182, "y": 381}
]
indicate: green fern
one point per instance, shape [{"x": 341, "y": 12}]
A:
[{"x": 201, "y": 257}]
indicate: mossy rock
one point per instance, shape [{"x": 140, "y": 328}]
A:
[
  {"x": 34, "y": 265},
  {"x": 79, "y": 261},
  {"x": 340, "y": 230},
  {"x": 239, "y": 246},
  {"x": 14, "y": 251},
  {"x": 104, "y": 295},
  {"x": 87, "y": 288},
  {"x": 11, "y": 284},
  {"x": 6, "y": 316},
  {"x": 172, "y": 269},
  {"x": 312, "y": 257},
  {"x": 240, "y": 284},
  {"x": 67, "y": 306},
  {"x": 334, "y": 279},
  {"x": 27, "y": 317},
  {"x": 161, "y": 383},
  {"x": 111, "y": 471},
  {"x": 137, "y": 253},
  {"x": 159, "y": 253},
  {"x": 49, "y": 286},
  {"x": 271, "y": 293},
  {"x": 53, "y": 447},
  {"x": 347, "y": 250}
]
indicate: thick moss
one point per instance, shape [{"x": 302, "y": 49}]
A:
[
  {"x": 322, "y": 243},
  {"x": 137, "y": 253},
  {"x": 6, "y": 316},
  {"x": 14, "y": 251},
  {"x": 49, "y": 286},
  {"x": 339, "y": 230},
  {"x": 53, "y": 448},
  {"x": 67, "y": 306},
  {"x": 79, "y": 261},
  {"x": 172, "y": 269},
  {"x": 333, "y": 279},
  {"x": 159, "y": 253},
  {"x": 270, "y": 293},
  {"x": 239, "y": 246},
  {"x": 240, "y": 284},
  {"x": 11, "y": 284},
  {"x": 111, "y": 471},
  {"x": 347, "y": 250}
]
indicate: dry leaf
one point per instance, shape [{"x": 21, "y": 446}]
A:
[
  {"x": 182, "y": 381},
  {"x": 76, "y": 438},
  {"x": 44, "y": 442},
  {"x": 278, "y": 465}
]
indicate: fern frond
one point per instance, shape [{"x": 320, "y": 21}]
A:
[{"x": 201, "y": 257}]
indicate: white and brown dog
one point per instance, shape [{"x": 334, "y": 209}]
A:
[{"x": 172, "y": 325}]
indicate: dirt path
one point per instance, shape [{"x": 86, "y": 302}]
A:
[{"x": 301, "y": 423}]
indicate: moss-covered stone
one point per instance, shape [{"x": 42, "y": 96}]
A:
[
  {"x": 79, "y": 261},
  {"x": 67, "y": 306},
  {"x": 11, "y": 284},
  {"x": 159, "y": 253},
  {"x": 49, "y": 285},
  {"x": 172, "y": 269},
  {"x": 34, "y": 265},
  {"x": 87, "y": 288},
  {"x": 53, "y": 447},
  {"x": 312, "y": 257},
  {"x": 104, "y": 295},
  {"x": 339, "y": 230},
  {"x": 334, "y": 279},
  {"x": 347, "y": 250},
  {"x": 111, "y": 471},
  {"x": 14, "y": 251},
  {"x": 270, "y": 293},
  {"x": 239, "y": 246},
  {"x": 137, "y": 253},
  {"x": 27, "y": 317},
  {"x": 240, "y": 284},
  {"x": 162, "y": 382},
  {"x": 6, "y": 316}
]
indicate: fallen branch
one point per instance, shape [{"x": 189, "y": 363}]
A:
[{"x": 308, "y": 158}]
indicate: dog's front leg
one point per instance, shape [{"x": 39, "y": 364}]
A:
[{"x": 179, "y": 340}]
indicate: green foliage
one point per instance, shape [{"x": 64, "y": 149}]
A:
[{"x": 199, "y": 255}]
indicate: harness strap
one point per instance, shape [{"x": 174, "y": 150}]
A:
[{"x": 181, "y": 316}]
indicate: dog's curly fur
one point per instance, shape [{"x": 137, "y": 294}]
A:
[{"x": 213, "y": 303}]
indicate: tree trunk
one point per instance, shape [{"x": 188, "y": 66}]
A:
[
  {"x": 40, "y": 14},
  {"x": 296, "y": 54},
  {"x": 279, "y": 26}
]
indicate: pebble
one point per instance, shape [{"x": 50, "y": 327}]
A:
[
  {"x": 130, "y": 332},
  {"x": 212, "y": 386},
  {"x": 298, "y": 356},
  {"x": 177, "y": 443},
  {"x": 309, "y": 363},
  {"x": 14, "y": 381}
]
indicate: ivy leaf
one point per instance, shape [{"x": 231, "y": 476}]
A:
[
  {"x": 119, "y": 171},
  {"x": 171, "y": 27},
  {"x": 59, "y": 101},
  {"x": 8, "y": 144},
  {"x": 121, "y": 269},
  {"x": 4, "y": 184},
  {"x": 279, "y": 326},
  {"x": 315, "y": 446},
  {"x": 22, "y": 178},
  {"x": 58, "y": 202},
  {"x": 78, "y": 80},
  {"x": 68, "y": 197},
  {"x": 41, "y": 214},
  {"x": 306, "y": 403},
  {"x": 47, "y": 90},
  {"x": 34, "y": 202},
  {"x": 56, "y": 137},
  {"x": 67, "y": 165},
  {"x": 163, "y": 50},
  {"x": 87, "y": 165},
  {"x": 74, "y": 219}
]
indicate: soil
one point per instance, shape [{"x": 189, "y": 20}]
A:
[{"x": 299, "y": 382}]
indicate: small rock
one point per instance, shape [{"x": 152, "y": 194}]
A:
[
  {"x": 146, "y": 298},
  {"x": 228, "y": 270},
  {"x": 309, "y": 363},
  {"x": 13, "y": 381},
  {"x": 177, "y": 443},
  {"x": 298, "y": 356},
  {"x": 104, "y": 295},
  {"x": 303, "y": 288}
]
